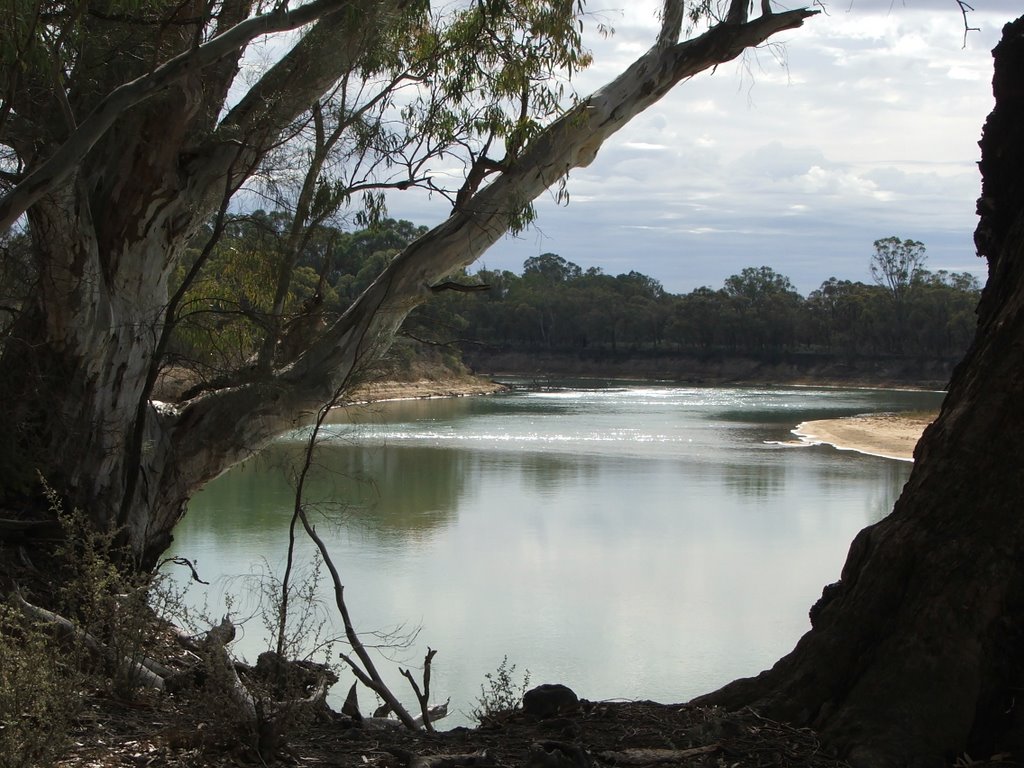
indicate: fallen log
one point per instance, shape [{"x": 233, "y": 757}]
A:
[
  {"x": 135, "y": 669},
  {"x": 449, "y": 761},
  {"x": 640, "y": 756}
]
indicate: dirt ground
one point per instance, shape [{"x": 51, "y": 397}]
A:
[{"x": 161, "y": 731}]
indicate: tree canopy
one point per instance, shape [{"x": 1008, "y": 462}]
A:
[{"x": 558, "y": 306}]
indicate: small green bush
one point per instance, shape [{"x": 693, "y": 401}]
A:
[
  {"x": 39, "y": 693},
  {"x": 500, "y": 695},
  {"x": 110, "y": 602}
]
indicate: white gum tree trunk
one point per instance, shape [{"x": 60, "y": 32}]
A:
[{"x": 109, "y": 231}]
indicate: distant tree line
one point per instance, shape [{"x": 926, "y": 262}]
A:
[{"x": 556, "y": 306}]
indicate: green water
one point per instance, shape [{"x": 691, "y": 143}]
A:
[{"x": 631, "y": 541}]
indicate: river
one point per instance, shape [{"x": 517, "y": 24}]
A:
[{"x": 628, "y": 540}]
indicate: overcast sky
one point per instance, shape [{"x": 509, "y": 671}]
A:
[{"x": 868, "y": 128}]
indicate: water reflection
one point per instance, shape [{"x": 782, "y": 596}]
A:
[
  {"x": 547, "y": 474},
  {"x": 640, "y": 542},
  {"x": 760, "y": 480},
  {"x": 381, "y": 491},
  {"x": 396, "y": 493}
]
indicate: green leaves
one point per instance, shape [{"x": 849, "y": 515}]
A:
[
  {"x": 896, "y": 264},
  {"x": 498, "y": 70}
]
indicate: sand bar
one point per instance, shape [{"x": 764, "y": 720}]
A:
[{"x": 891, "y": 435}]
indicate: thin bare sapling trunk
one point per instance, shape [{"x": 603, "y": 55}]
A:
[
  {"x": 299, "y": 501},
  {"x": 362, "y": 665}
]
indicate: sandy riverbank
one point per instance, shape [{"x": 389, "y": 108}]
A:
[
  {"x": 891, "y": 435},
  {"x": 454, "y": 386}
]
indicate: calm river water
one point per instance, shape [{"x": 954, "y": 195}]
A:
[{"x": 631, "y": 541}]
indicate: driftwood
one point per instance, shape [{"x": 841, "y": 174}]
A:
[
  {"x": 212, "y": 648},
  {"x": 654, "y": 756},
  {"x": 423, "y": 697},
  {"x": 261, "y": 711},
  {"x": 222, "y": 668},
  {"x": 448, "y": 761},
  {"x": 433, "y": 714}
]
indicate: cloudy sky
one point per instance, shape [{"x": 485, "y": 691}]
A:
[{"x": 867, "y": 128}]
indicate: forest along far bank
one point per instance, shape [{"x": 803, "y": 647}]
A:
[{"x": 906, "y": 327}]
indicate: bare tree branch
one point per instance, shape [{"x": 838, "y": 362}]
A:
[
  {"x": 423, "y": 697},
  {"x": 964, "y": 8}
]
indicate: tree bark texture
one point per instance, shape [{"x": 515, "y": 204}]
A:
[
  {"x": 914, "y": 656},
  {"x": 108, "y": 234}
]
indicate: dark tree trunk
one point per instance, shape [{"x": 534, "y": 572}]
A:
[{"x": 915, "y": 655}]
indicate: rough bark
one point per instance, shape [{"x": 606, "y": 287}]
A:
[{"x": 914, "y": 655}]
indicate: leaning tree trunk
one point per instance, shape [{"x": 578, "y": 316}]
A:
[
  {"x": 111, "y": 211},
  {"x": 915, "y": 655},
  {"x": 107, "y": 234}
]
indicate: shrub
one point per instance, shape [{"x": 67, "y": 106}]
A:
[
  {"x": 39, "y": 696},
  {"x": 500, "y": 695}
]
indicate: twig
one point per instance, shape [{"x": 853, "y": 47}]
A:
[
  {"x": 964, "y": 8},
  {"x": 179, "y": 560},
  {"x": 424, "y": 697}
]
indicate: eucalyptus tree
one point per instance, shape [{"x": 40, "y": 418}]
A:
[
  {"x": 126, "y": 127},
  {"x": 767, "y": 308},
  {"x": 120, "y": 142},
  {"x": 896, "y": 266}
]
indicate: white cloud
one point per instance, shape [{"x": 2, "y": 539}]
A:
[{"x": 870, "y": 129}]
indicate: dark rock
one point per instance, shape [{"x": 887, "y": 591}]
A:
[{"x": 549, "y": 700}]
